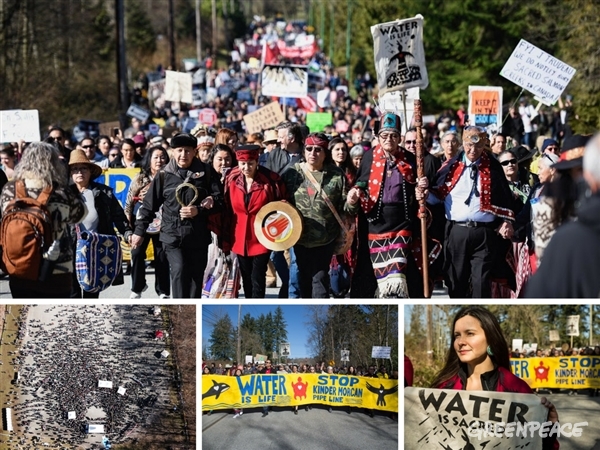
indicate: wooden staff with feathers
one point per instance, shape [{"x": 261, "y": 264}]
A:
[{"x": 418, "y": 120}]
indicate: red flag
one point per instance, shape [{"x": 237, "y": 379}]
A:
[
  {"x": 269, "y": 55},
  {"x": 307, "y": 103}
]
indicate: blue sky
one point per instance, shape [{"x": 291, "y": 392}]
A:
[{"x": 294, "y": 315}]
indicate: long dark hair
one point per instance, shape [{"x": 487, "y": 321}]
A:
[
  {"x": 347, "y": 165},
  {"x": 147, "y": 158},
  {"x": 493, "y": 336}
]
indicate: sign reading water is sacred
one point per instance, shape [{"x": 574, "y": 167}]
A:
[
  {"x": 455, "y": 420},
  {"x": 400, "y": 55},
  {"x": 538, "y": 72}
]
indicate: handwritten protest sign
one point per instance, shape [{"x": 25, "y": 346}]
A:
[
  {"x": 450, "y": 419},
  {"x": 284, "y": 81},
  {"x": 538, "y": 72},
  {"x": 224, "y": 392},
  {"x": 268, "y": 116},
  {"x": 138, "y": 112},
  {"x": 178, "y": 87},
  {"x": 394, "y": 102},
  {"x": 485, "y": 106},
  {"x": 17, "y": 124},
  {"x": 318, "y": 121},
  {"x": 568, "y": 372},
  {"x": 381, "y": 352},
  {"x": 400, "y": 55}
]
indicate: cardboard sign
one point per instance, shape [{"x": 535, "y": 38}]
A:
[
  {"x": 17, "y": 124},
  {"x": 267, "y": 117},
  {"x": 284, "y": 81},
  {"x": 449, "y": 419},
  {"x": 485, "y": 106},
  {"x": 400, "y": 55},
  {"x": 138, "y": 112},
  {"x": 566, "y": 372},
  {"x": 394, "y": 102},
  {"x": 318, "y": 121},
  {"x": 106, "y": 128},
  {"x": 538, "y": 72},
  {"x": 381, "y": 352},
  {"x": 247, "y": 391},
  {"x": 554, "y": 336},
  {"x": 178, "y": 87}
]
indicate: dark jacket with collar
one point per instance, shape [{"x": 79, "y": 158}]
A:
[
  {"x": 279, "y": 160},
  {"x": 174, "y": 230}
]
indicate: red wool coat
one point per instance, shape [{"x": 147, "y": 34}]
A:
[{"x": 239, "y": 236}]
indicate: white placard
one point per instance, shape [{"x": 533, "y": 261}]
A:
[
  {"x": 284, "y": 81},
  {"x": 178, "y": 87},
  {"x": 249, "y": 359},
  {"x": 538, "y": 72},
  {"x": 400, "y": 55},
  {"x": 345, "y": 356},
  {"x": 453, "y": 419},
  {"x": 517, "y": 344},
  {"x": 554, "y": 336},
  {"x": 394, "y": 102},
  {"x": 381, "y": 352},
  {"x": 17, "y": 124},
  {"x": 285, "y": 349},
  {"x": 572, "y": 325},
  {"x": 138, "y": 112}
]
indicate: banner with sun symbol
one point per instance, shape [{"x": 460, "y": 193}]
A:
[
  {"x": 461, "y": 420},
  {"x": 250, "y": 391},
  {"x": 566, "y": 372}
]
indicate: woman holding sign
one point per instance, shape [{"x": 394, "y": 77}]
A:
[{"x": 478, "y": 360}]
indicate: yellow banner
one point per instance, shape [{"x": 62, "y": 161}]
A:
[
  {"x": 250, "y": 391},
  {"x": 561, "y": 372},
  {"x": 119, "y": 180}
]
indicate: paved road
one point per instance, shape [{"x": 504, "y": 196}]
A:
[
  {"x": 579, "y": 408},
  {"x": 123, "y": 291},
  {"x": 313, "y": 430}
]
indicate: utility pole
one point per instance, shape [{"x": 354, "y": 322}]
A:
[
  {"x": 198, "y": 31},
  {"x": 121, "y": 63},
  {"x": 214, "y": 31},
  {"x": 239, "y": 335},
  {"x": 172, "y": 58},
  {"x": 429, "y": 333},
  {"x": 348, "y": 32}
]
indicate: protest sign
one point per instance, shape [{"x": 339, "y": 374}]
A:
[
  {"x": 207, "y": 116},
  {"x": 485, "y": 106},
  {"x": 178, "y": 87},
  {"x": 268, "y": 116},
  {"x": 451, "y": 419},
  {"x": 345, "y": 356},
  {"x": 394, "y": 102},
  {"x": 106, "y": 128},
  {"x": 138, "y": 112},
  {"x": 247, "y": 391},
  {"x": 517, "y": 344},
  {"x": 318, "y": 121},
  {"x": 285, "y": 349},
  {"x": 538, "y": 72},
  {"x": 248, "y": 359},
  {"x": 284, "y": 81},
  {"x": 400, "y": 55},
  {"x": 381, "y": 352},
  {"x": 572, "y": 326},
  {"x": 17, "y": 124},
  {"x": 567, "y": 372},
  {"x": 554, "y": 336},
  {"x": 119, "y": 180},
  {"x": 156, "y": 93}
]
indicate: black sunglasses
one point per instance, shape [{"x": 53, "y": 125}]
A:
[
  {"x": 313, "y": 149},
  {"x": 509, "y": 161},
  {"x": 88, "y": 146}
]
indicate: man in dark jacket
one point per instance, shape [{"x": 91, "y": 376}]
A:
[
  {"x": 570, "y": 265},
  {"x": 189, "y": 190}
]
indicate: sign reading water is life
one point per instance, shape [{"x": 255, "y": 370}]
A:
[
  {"x": 17, "y": 124},
  {"x": 538, "y": 72}
]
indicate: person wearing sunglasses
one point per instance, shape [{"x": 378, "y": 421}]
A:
[
  {"x": 479, "y": 210},
  {"x": 431, "y": 164},
  {"x": 88, "y": 145},
  {"x": 387, "y": 178},
  {"x": 308, "y": 184}
]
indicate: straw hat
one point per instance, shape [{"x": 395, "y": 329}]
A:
[
  {"x": 78, "y": 157},
  {"x": 270, "y": 137},
  {"x": 278, "y": 226}
]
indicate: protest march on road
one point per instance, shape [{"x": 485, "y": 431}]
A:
[{"x": 276, "y": 172}]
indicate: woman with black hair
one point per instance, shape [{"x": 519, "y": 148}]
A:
[
  {"x": 341, "y": 157},
  {"x": 153, "y": 162},
  {"x": 478, "y": 360},
  {"x": 129, "y": 157},
  {"x": 222, "y": 158}
]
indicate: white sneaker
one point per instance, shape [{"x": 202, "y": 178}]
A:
[
  {"x": 138, "y": 294},
  {"x": 236, "y": 415},
  {"x": 164, "y": 296},
  {"x": 241, "y": 412}
]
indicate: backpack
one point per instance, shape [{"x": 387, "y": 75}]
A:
[{"x": 25, "y": 233}]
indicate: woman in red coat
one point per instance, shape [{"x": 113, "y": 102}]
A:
[
  {"x": 248, "y": 187},
  {"x": 478, "y": 361}
]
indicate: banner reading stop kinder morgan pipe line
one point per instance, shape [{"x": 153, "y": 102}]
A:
[
  {"x": 250, "y": 391},
  {"x": 450, "y": 419},
  {"x": 568, "y": 372}
]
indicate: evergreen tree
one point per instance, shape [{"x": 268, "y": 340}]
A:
[{"x": 222, "y": 344}]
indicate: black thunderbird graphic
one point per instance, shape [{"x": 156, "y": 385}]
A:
[{"x": 382, "y": 392}]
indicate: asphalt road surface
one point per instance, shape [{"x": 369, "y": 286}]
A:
[
  {"x": 316, "y": 429},
  {"x": 124, "y": 291},
  {"x": 574, "y": 409}
]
